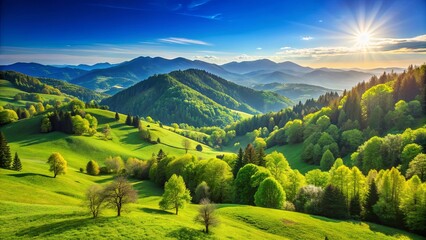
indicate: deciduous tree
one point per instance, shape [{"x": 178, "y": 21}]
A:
[
  {"x": 119, "y": 193},
  {"x": 57, "y": 163},
  {"x": 176, "y": 195}
]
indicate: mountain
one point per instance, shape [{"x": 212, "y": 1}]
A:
[
  {"x": 87, "y": 67},
  {"x": 194, "y": 97},
  {"x": 335, "y": 79},
  {"x": 264, "y": 64},
  {"x": 131, "y": 72},
  {"x": 264, "y": 77},
  {"x": 296, "y": 91},
  {"x": 39, "y": 70}
]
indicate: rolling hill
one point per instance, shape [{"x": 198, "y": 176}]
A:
[
  {"x": 39, "y": 70},
  {"x": 194, "y": 97}
]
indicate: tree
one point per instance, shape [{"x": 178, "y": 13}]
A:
[
  {"x": 277, "y": 164},
  {"x": 117, "y": 116},
  {"x": 333, "y": 203},
  {"x": 186, "y": 144},
  {"x": 80, "y": 125},
  {"x": 8, "y": 116},
  {"x": 202, "y": 192},
  {"x": 114, "y": 164},
  {"x": 106, "y": 131},
  {"x": 206, "y": 215},
  {"x": 57, "y": 163},
  {"x": 417, "y": 167},
  {"x": 129, "y": 120},
  {"x": 176, "y": 195},
  {"x": 249, "y": 155},
  {"x": 308, "y": 199},
  {"x": 317, "y": 178},
  {"x": 327, "y": 160},
  {"x": 17, "y": 166},
  {"x": 199, "y": 148},
  {"x": 413, "y": 204},
  {"x": 136, "y": 122},
  {"x": 239, "y": 163},
  {"x": 5, "y": 156},
  {"x": 270, "y": 194},
  {"x": 45, "y": 126},
  {"x": 94, "y": 199},
  {"x": 244, "y": 192},
  {"x": 371, "y": 200},
  {"x": 118, "y": 193},
  {"x": 92, "y": 168},
  {"x": 355, "y": 207}
]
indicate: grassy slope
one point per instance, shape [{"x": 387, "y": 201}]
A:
[{"x": 8, "y": 91}]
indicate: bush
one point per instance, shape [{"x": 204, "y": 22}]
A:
[
  {"x": 81, "y": 170},
  {"x": 199, "y": 148},
  {"x": 92, "y": 168}
]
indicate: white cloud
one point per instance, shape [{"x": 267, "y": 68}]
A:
[
  {"x": 259, "y": 48},
  {"x": 307, "y": 38},
  {"x": 183, "y": 41},
  {"x": 284, "y": 48}
]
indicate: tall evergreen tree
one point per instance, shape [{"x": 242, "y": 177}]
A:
[
  {"x": 333, "y": 203},
  {"x": 355, "y": 207},
  {"x": 238, "y": 163},
  {"x": 5, "y": 156},
  {"x": 249, "y": 155},
  {"x": 17, "y": 165},
  {"x": 261, "y": 157},
  {"x": 117, "y": 116},
  {"x": 129, "y": 120},
  {"x": 136, "y": 121},
  {"x": 372, "y": 198}
]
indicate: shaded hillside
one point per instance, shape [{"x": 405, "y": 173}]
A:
[
  {"x": 163, "y": 97},
  {"x": 39, "y": 70}
]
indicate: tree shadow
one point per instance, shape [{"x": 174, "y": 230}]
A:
[
  {"x": 147, "y": 189},
  {"x": 29, "y": 174},
  {"x": 51, "y": 229},
  {"x": 105, "y": 180},
  {"x": 188, "y": 233},
  {"x": 155, "y": 211}
]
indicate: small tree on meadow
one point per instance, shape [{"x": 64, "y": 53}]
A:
[
  {"x": 186, "y": 144},
  {"x": 5, "y": 156},
  {"x": 199, "y": 148},
  {"x": 57, "y": 163},
  {"x": 92, "y": 168},
  {"x": 202, "y": 191},
  {"x": 118, "y": 193},
  {"x": 94, "y": 199},
  {"x": 117, "y": 116},
  {"x": 129, "y": 120},
  {"x": 17, "y": 165},
  {"x": 206, "y": 214},
  {"x": 106, "y": 131},
  {"x": 176, "y": 195}
]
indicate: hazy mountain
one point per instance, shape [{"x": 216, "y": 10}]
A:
[
  {"x": 131, "y": 72},
  {"x": 87, "y": 67},
  {"x": 39, "y": 70},
  {"x": 263, "y": 77},
  {"x": 264, "y": 64},
  {"x": 295, "y": 91},
  {"x": 195, "y": 97},
  {"x": 335, "y": 79}
]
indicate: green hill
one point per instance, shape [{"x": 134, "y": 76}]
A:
[{"x": 194, "y": 97}]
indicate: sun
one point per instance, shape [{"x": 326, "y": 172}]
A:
[{"x": 363, "y": 39}]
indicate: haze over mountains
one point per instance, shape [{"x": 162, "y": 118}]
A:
[{"x": 111, "y": 78}]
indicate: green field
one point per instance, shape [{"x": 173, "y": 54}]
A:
[{"x": 35, "y": 205}]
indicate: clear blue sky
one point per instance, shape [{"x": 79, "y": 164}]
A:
[{"x": 315, "y": 33}]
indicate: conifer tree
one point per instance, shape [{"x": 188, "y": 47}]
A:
[
  {"x": 17, "y": 166},
  {"x": 117, "y": 116},
  {"x": 5, "y": 156},
  {"x": 239, "y": 163},
  {"x": 333, "y": 203},
  {"x": 261, "y": 157},
  {"x": 129, "y": 120},
  {"x": 136, "y": 121},
  {"x": 372, "y": 198},
  {"x": 249, "y": 155}
]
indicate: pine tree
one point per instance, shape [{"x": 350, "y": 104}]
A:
[
  {"x": 249, "y": 155},
  {"x": 372, "y": 198},
  {"x": 238, "y": 163},
  {"x": 117, "y": 116},
  {"x": 355, "y": 207},
  {"x": 17, "y": 166},
  {"x": 333, "y": 203},
  {"x": 129, "y": 120},
  {"x": 136, "y": 122},
  {"x": 5, "y": 156},
  {"x": 261, "y": 157}
]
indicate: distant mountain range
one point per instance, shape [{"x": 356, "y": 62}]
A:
[
  {"x": 295, "y": 91},
  {"x": 195, "y": 97},
  {"x": 112, "y": 78}
]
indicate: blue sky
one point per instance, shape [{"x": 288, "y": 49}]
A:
[{"x": 315, "y": 33}]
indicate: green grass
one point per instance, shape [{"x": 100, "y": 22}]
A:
[{"x": 293, "y": 152}]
